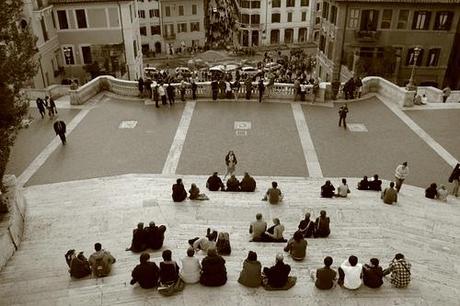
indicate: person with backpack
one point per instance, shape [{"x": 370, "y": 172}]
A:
[
  {"x": 101, "y": 261},
  {"x": 223, "y": 244}
]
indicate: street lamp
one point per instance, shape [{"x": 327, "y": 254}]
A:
[{"x": 411, "y": 86}]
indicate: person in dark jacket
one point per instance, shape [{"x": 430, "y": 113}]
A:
[
  {"x": 327, "y": 190},
  {"x": 455, "y": 178},
  {"x": 194, "y": 88},
  {"x": 214, "y": 89},
  {"x": 148, "y": 88},
  {"x": 248, "y": 184},
  {"x": 170, "y": 91},
  {"x": 214, "y": 183},
  {"x": 432, "y": 191},
  {"x": 307, "y": 226},
  {"x": 248, "y": 86},
  {"x": 277, "y": 276},
  {"x": 261, "y": 88},
  {"x": 343, "y": 111},
  {"x": 375, "y": 184},
  {"x": 41, "y": 107},
  {"x": 213, "y": 271},
  {"x": 140, "y": 86},
  {"x": 178, "y": 191},
  {"x": 233, "y": 184},
  {"x": 363, "y": 184},
  {"x": 78, "y": 264},
  {"x": 52, "y": 110},
  {"x": 322, "y": 225},
  {"x": 251, "y": 275},
  {"x": 373, "y": 274},
  {"x": 169, "y": 270},
  {"x": 325, "y": 277},
  {"x": 138, "y": 243},
  {"x": 146, "y": 273},
  {"x": 60, "y": 129},
  {"x": 155, "y": 235}
]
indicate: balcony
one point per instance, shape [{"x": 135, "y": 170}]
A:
[{"x": 367, "y": 36}]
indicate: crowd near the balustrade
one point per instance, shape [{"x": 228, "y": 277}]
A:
[{"x": 170, "y": 277}]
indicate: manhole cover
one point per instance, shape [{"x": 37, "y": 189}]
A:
[{"x": 242, "y": 125}]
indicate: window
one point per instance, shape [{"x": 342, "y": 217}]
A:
[
  {"x": 330, "y": 48},
  {"x": 290, "y": 3},
  {"x": 43, "y": 26},
  {"x": 325, "y": 11},
  {"x": 304, "y": 16},
  {"x": 288, "y": 36},
  {"x": 386, "y": 19},
  {"x": 255, "y": 4},
  {"x": 62, "y": 18},
  {"x": 245, "y": 18},
  {"x": 181, "y": 27},
  {"x": 68, "y": 55},
  {"x": 275, "y": 37},
  {"x": 322, "y": 43},
  {"x": 421, "y": 20},
  {"x": 86, "y": 54},
  {"x": 245, "y": 4},
  {"x": 143, "y": 31},
  {"x": 155, "y": 30},
  {"x": 194, "y": 26},
  {"x": 276, "y": 3},
  {"x": 54, "y": 20},
  {"x": 411, "y": 56},
  {"x": 168, "y": 11},
  {"x": 304, "y": 2},
  {"x": 151, "y": 13},
  {"x": 302, "y": 35},
  {"x": 156, "y": 12},
  {"x": 275, "y": 18},
  {"x": 369, "y": 20},
  {"x": 81, "y": 19},
  {"x": 402, "y": 19},
  {"x": 142, "y": 13},
  {"x": 255, "y": 19},
  {"x": 194, "y": 9},
  {"x": 181, "y": 10},
  {"x": 433, "y": 57},
  {"x": 135, "y": 48},
  {"x": 443, "y": 21},
  {"x": 354, "y": 18},
  {"x": 333, "y": 16},
  {"x": 289, "y": 17}
]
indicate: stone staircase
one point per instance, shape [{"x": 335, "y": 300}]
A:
[{"x": 77, "y": 214}]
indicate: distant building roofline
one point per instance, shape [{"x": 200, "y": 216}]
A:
[
  {"x": 403, "y": 1},
  {"x": 84, "y": 1}
]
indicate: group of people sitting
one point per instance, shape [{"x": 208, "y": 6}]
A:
[
  {"x": 328, "y": 190},
  {"x": 150, "y": 237},
  {"x": 99, "y": 263},
  {"x": 435, "y": 192}
]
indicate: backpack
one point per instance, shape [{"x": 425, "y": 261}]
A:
[{"x": 100, "y": 267}]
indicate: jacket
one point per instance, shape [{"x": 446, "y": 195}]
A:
[
  {"x": 278, "y": 274},
  {"x": 372, "y": 276},
  {"x": 213, "y": 271},
  {"x": 251, "y": 275},
  {"x": 101, "y": 263},
  {"x": 169, "y": 272},
  {"x": 146, "y": 274}
]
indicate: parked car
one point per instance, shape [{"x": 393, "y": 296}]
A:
[
  {"x": 184, "y": 71},
  {"x": 250, "y": 71}
]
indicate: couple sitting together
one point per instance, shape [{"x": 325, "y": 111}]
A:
[
  {"x": 260, "y": 233},
  {"x": 327, "y": 190},
  {"x": 375, "y": 184},
  {"x": 151, "y": 237},
  {"x": 99, "y": 263}
]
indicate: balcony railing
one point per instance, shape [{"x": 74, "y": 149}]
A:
[{"x": 367, "y": 36}]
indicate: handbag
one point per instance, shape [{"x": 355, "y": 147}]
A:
[{"x": 170, "y": 290}]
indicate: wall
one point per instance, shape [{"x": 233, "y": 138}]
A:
[{"x": 12, "y": 224}]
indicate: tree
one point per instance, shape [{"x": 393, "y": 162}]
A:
[
  {"x": 17, "y": 66},
  {"x": 383, "y": 65}
]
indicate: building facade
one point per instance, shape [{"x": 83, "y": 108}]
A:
[
  {"x": 275, "y": 22},
  {"x": 364, "y": 36},
  {"x": 150, "y": 28}
]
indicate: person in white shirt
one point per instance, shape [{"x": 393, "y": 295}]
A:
[
  {"x": 162, "y": 93},
  {"x": 343, "y": 190},
  {"x": 401, "y": 173},
  {"x": 191, "y": 268},
  {"x": 442, "y": 193},
  {"x": 350, "y": 273}
]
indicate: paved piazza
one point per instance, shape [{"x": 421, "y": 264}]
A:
[{"x": 108, "y": 178}]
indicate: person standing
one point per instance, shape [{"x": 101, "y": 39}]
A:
[
  {"x": 343, "y": 111},
  {"x": 401, "y": 172},
  {"x": 296, "y": 89},
  {"x": 156, "y": 94},
  {"x": 214, "y": 89},
  {"x": 248, "y": 86},
  {"x": 455, "y": 178},
  {"x": 60, "y": 129},
  {"x": 51, "y": 106},
  {"x": 261, "y": 88},
  {"x": 236, "y": 88},
  {"x": 445, "y": 94},
  {"x": 194, "y": 87},
  {"x": 147, "y": 88},
  {"x": 230, "y": 161},
  {"x": 182, "y": 89},
  {"x": 162, "y": 93},
  {"x": 140, "y": 86},
  {"x": 41, "y": 107},
  {"x": 171, "y": 93}
]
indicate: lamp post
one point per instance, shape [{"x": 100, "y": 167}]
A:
[{"x": 411, "y": 86}]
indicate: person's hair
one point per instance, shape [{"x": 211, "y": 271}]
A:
[
  {"x": 328, "y": 182},
  {"x": 233, "y": 176},
  {"x": 322, "y": 213},
  {"x": 212, "y": 252},
  {"x": 433, "y": 185},
  {"x": 392, "y": 184},
  {"x": 399, "y": 256},
  {"x": 353, "y": 260},
  {"x": 344, "y": 181},
  {"x": 276, "y": 220},
  {"x": 144, "y": 257},
  {"x": 140, "y": 225},
  {"x": 365, "y": 177},
  {"x": 259, "y": 216},
  {"x": 404, "y": 163},
  {"x": 328, "y": 261},
  {"x": 167, "y": 254},
  {"x": 151, "y": 224},
  {"x": 97, "y": 246},
  {"x": 298, "y": 236},
  {"x": 374, "y": 262},
  {"x": 274, "y": 184},
  {"x": 215, "y": 174},
  {"x": 376, "y": 176},
  {"x": 307, "y": 215},
  {"x": 179, "y": 181},
  {"x": 190, "y": 252},
  {"x": 193, "y": 185},
  {"x": 252, "y": 256},
  {"x": 212, "y": 236},
  {"x": 279, "y": 257},
  {"x": 246, "y": 174}
]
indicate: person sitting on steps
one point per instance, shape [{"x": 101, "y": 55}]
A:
[
  {"x": 146, "y": 273},
  {"x": 273, "y": 195},
  {"x": 277, "y": 276},
  {"x": 78, "y": 264},
  {"x": 274, "y": 233},
  {"x": 138, "y": 243},
  {"x": 322, "y": 229},
  {"x": 155, "y": 235},
  {"x": 390, "y": 195},
  {"x": 257, "y": 228},
  {"x": 306, "y": 226},
  {"x": 196, "y": 195},
  {"x": 214, "y": 183},
  {"x": 343, "y": 190},
  {"x": 324, "y": 277},
  {"x": 233, "y": 184},
  {"x": 179, "y": 193},
  {"x": 375, "y": 184},
  {"x": 297, "y": 246},
  {"x": 101, "y": 261},
  {"x": 363, "y": 184},
  {"x": 327, "y": 190},
  {"x": 248, "y": 184}
]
